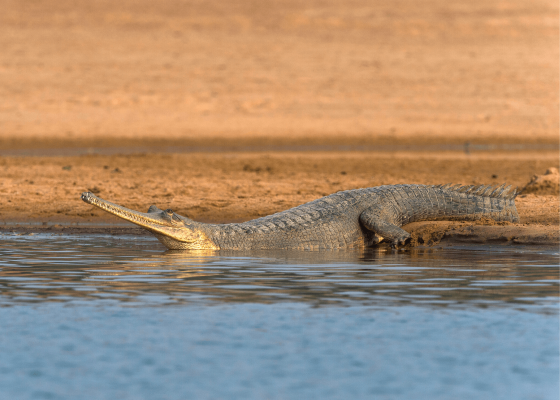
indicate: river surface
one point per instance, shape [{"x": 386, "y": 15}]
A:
[{"x": 118, "y": 317}]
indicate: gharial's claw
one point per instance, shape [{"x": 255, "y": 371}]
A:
[{"x": 400, "y": 242}]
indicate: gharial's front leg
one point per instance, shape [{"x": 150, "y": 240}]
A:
[{"x": 381, "y": 222}]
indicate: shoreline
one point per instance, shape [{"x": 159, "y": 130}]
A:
[
  {"x": 427, "y": 234},
  {"x": 244, "y": 111},
  {"x": 42, "y": 194}
]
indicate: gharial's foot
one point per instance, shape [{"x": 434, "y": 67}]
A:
[{"x": 400, "y": 242}]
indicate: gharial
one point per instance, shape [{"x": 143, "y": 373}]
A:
[{"x": 349, "y": 219}]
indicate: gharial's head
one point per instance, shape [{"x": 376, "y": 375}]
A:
[{"x": 174, "y": 231}]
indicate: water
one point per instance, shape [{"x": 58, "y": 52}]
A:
[
  {"x": 78, "y": 151},
  {"x": 101, "y": 317}
]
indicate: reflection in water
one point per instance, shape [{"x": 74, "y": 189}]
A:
[{"x": 137, "y": 271}]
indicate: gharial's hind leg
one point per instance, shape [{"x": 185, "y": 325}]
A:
[{"x": 377, "y": 221}]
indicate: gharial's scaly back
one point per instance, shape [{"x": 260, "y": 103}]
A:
[
  {"x": 353, "y": 218},
  {"x": 503, "y": 191}
]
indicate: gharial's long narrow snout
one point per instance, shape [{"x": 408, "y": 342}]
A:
[
  {"x": 155, "y": 220},
  {"x": 173, "y": 231}
]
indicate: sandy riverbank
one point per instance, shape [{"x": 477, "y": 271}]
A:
[
  {"x": 227, "y": 187},
  {"x": 205, "y": 107}
]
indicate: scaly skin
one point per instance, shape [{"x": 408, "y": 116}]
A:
[{"x": 350, "y": 219}]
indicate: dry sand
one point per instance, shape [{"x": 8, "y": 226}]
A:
[
  {"x": 404, "y": 84},
  {"x": 359, "y": 71}
]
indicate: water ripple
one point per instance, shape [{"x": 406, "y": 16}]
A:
[{"x": 138, "y": 270}]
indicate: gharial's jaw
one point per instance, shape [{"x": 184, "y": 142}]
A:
[{"x": 166, "y": 226}]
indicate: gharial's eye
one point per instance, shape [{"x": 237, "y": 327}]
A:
[{"x": 169, "y": 211}]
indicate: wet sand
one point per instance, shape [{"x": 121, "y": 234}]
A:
[{"x": 231, "y": 111}]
